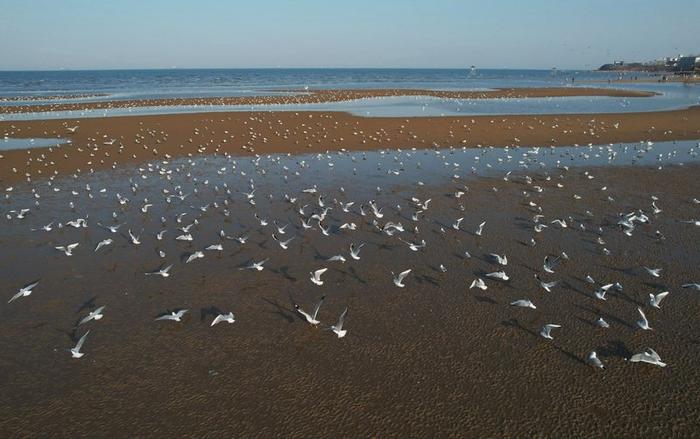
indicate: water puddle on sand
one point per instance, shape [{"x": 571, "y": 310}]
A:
[{"x": 10, "y": 143}]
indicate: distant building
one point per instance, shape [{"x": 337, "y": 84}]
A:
[{"x": 686, "y": 63}]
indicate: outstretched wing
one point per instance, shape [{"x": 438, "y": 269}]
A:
[
  {"x": 79, "y": 345},
  {"x": 341, "y": 320},
  {"x": 317, "y": 307}
]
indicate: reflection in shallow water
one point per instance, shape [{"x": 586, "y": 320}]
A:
[
  {"x": 670, "y": 96},
  {"x": 9, "y": 143}
]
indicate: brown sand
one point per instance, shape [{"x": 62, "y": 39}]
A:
[
  {"x": 432, "y": 359},
  {"x": 321, "y": 96},
  {"x": 142, "y": 138}
]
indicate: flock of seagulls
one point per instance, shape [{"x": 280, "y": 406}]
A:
[{"x": 163, "y": 186}]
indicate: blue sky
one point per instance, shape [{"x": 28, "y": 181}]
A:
[{"x": 42, "y": 34}]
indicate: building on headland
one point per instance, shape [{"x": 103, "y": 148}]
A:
[{"x": 680, "y": 65}]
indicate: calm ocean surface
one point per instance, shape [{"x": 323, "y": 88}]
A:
[
  {"x": 233, "y": 82},
  {"x": 144, "y": 84}
]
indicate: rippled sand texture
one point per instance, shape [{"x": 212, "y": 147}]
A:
[{"x": 433, "y": 358}]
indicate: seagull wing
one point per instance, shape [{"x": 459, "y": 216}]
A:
[
  {"x": 319, "y": 272},
  {"x": 79, "y": 345},
  {"x": 317, "y": 307},
  {"x": 403, "y": 275},
  {"x": 341, "y": 320}
]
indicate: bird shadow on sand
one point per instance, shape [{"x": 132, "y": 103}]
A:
[
  {"x": 284, "y": 312},
  {"x": 210, "y": 311},
  {"x": 596, "y": 312},
  {"x": 513, "y": 323},
  {"x": 88, "y": 304},
  {"x": 352, "y": 273},
  {"x": 615, "y": 348},
  {"x": 284, "y": 271},
  {"x": 424, "y": 278},
  {"x": 485, "y": 299}
]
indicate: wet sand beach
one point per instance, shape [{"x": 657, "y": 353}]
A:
[
  {"x": 101, "y": 143},
  {"x": 326, "y": 96},
  {"x": 431, "y": 359},
  {"x": 209, "y": 194}
]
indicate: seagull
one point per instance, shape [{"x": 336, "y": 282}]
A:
[
  {"x": 93, "y": 315},
  {"x": 478, "y": 283},
  {"x": 398, "y": 280},
  {"x": 600, "y": 292},
  {"x": 75, "y": 351},
  {"x": 112, "y": 229},
  {"x": 648, "y": 356},
  {"x": 257, "y": 265},
  {"x": 103, "y": 243},
  {"x": 175, "y": 316},
  {"x": 194, "y": 256},
  {"x": 594, "y": 360},
  {"x": 601, "y": 323},
  {"x": 643, "y": 322},
  {"x": 336, "y": 258},
  {"x": 355, "y": 251},
  {"x": 228, "y": 318},
  {"x": 413, "y": 246},
  {"x": 283, "y": 244},
  {"x": 480, "y": 229},
  {"x": 549, "y": 263},
  {"x": 134, "y": 239},
  {"x": 547, "y": 329},
  {"x": 523, "y": 303},
  {"x": 656, "y": 272},
  {"x": 316, "y": 276},
  {"x": 655, "y": 300},
  {"x": 68, "y": 249},
  {"x": 502, "y": 260},
  {"x": 691, "y": 286},
  {"x": 500, "y": 275},
  {"x": 24, "y": 291},
  {"x": 338, "y": 327},
  {"x": 164, "y": 272},
  {"x": 311, "y": 318},
  {"x": 457, "y": 223},
  {"x": 547, "y": 286}
]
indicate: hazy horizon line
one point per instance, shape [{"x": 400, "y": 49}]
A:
[{"x": 106, "y": 69}]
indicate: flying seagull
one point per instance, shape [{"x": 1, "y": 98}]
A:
[
  {"x": 311, "y": 318},
  {"x": 398, "y": 280},
  {"x": 24, "y": 291},
  {"x": 338, "y": 327},
  {"x": 228, "y": 318},
  {"x": 75, "y": 351}
]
